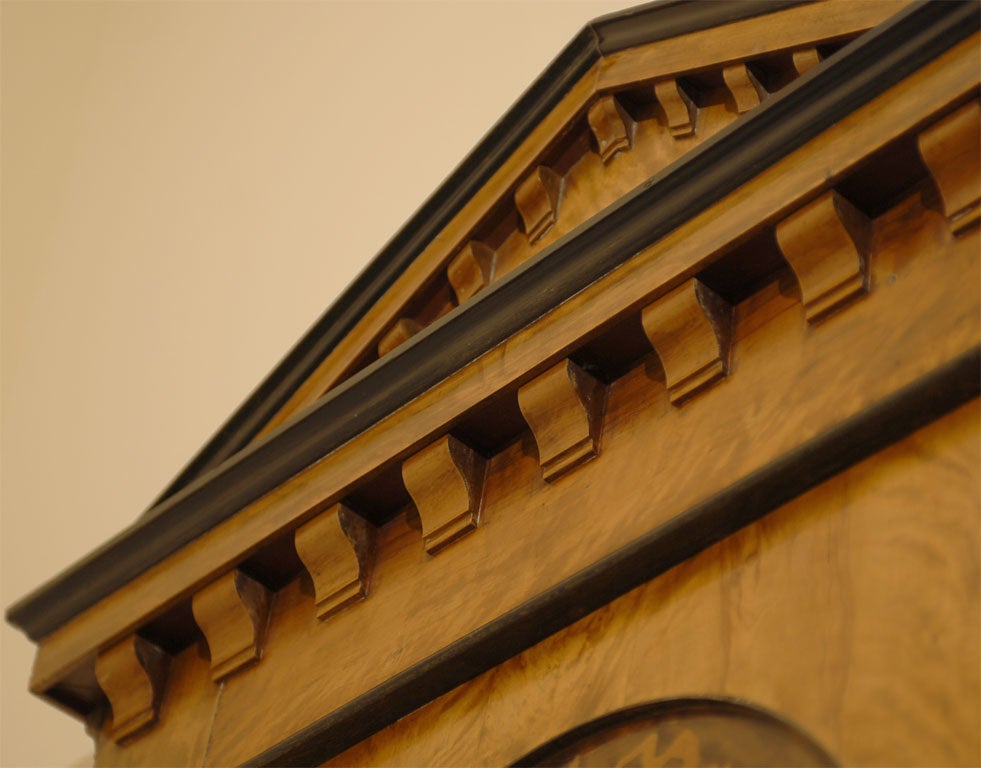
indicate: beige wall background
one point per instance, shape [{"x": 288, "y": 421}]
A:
[{"x": 185, "y": 187}]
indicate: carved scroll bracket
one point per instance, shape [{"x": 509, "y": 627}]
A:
[
  {"x": 564, "y": 409},
  {"x": 689, "y": 329},
  {"x": 337, "y": 547},
  {"x": 132, "y": 674},
  {"x": 612, "y": 127},
  {"x": 232, "y": 613},
  {"x": 446, "y": 483},
  {"x": 746, "y": 90},
  {"x": 538, "y": 198},
  {"x": 471, "y": 270},
  {"x": 826, "y": 243},
  {"x": 679, "y": 107},
  {"x": 951, "y": 149}
]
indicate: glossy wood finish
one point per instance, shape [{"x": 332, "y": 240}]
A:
[
  {"x": 471, "y": 270},
  {"x": 696, "y": 242},
  {"x": 337, "y": 548},
  {"x": 652, "y": 469},
  {"x": 826, "y": 243},
  {"x": 678, "y": 106},
  {"x": 132, "y": 674},
  {"x": 232, "y": 613},
  {"x": 747, "y": 91},
  {"x": 848, "y": 611}
]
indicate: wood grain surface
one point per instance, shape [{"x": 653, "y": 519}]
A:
[{"x": 852, "y": 611}]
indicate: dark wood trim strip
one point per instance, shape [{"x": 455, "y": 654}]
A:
[
  {"x": 645, "y": 24},
  {"x": 841, "y": 84},
  {"x": 917, "y": 405}
]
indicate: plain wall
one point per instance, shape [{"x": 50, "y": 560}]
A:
[{"x": 186, "y": 186}]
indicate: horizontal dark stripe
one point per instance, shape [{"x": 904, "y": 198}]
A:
[
  {"x": 698, "y": 528},
  {"x": 854, "y": 76},
  {"x": 656, "y": 21}
]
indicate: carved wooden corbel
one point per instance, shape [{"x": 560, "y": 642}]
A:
[
  {"x": 132, "y": 674},
  {"x": 612, "y": 127},
  {"x": 746, "y": 90},
  {"x": 337, "y": 549},
  {"x": 538, "y": 198},
  {"x": 471, "y": 270},
  {"x": 951, "y": 149},
  {"x": 689, "y": 329},
  {"x": 403, "y": 330},
  {"x": 232, "y": 613},
  {"x": 679, "y": 107},
  {"x": 805, "y": 59},
  {"x": 446, "y": 482},
  {"x": 564, "y": 410},
  {"x": 826, "y": 244}
]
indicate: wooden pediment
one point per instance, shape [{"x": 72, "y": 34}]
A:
[{"x": 695, "y": 213}]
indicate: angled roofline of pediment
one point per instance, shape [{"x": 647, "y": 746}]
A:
[
  {"x": 601, "y": 37},
  {"x": 839, "y": 86}
]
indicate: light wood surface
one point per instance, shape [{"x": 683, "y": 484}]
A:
[
  {"x": 767, "y": 199},
  {"x": 852, "y": 611}
]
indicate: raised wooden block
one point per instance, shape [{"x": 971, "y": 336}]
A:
[
  {"x": 132, "y": 674},
  {"x": 337, "y": 548},
  {"x": 679, "y": 108},
  {"x": 446, "y": 482},
  {"x": 826, "y": 244},
  {"x": 232, "y": 613},
  {"x": 746, "y": 90},
  {"x": 689, "y": 329},
  {"x": 403, "y": 330},
  {"x": 471, "y": 270},
  {"x": 805, "y": 59},
  {"x": 538, "y": 198},
  {"x": 951, "y": 149},
  {"x": 612, "y": 127},
  {"x": 564, "y": 410}
]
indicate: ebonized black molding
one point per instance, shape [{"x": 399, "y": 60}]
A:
[
  {"x": 855, "y": 75},
  {"x": 698, "y": 528},
  {"x": 635, "y": 26}
]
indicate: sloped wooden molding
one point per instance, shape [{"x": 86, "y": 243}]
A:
[
  {"x": 446, "y": 483},
  {"x": 564, "y": 410},
  {"x": 132, "y": 674},
  {"x": 538, "y": 198},
  {"x": 826, "y": 243},
  {"x": 612, "y": 127},
  {"x": 232, "y": 613},
  {"x": 679, "y": 107},
  {"x": 689, "y": 329},
  {"x": 951, "y": 149},
  {"x": 337, "y": 548}
]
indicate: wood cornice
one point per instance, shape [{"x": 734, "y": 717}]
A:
[
  {"x": 599, "y": 41},
  {"x": 824, "y": 97}
]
